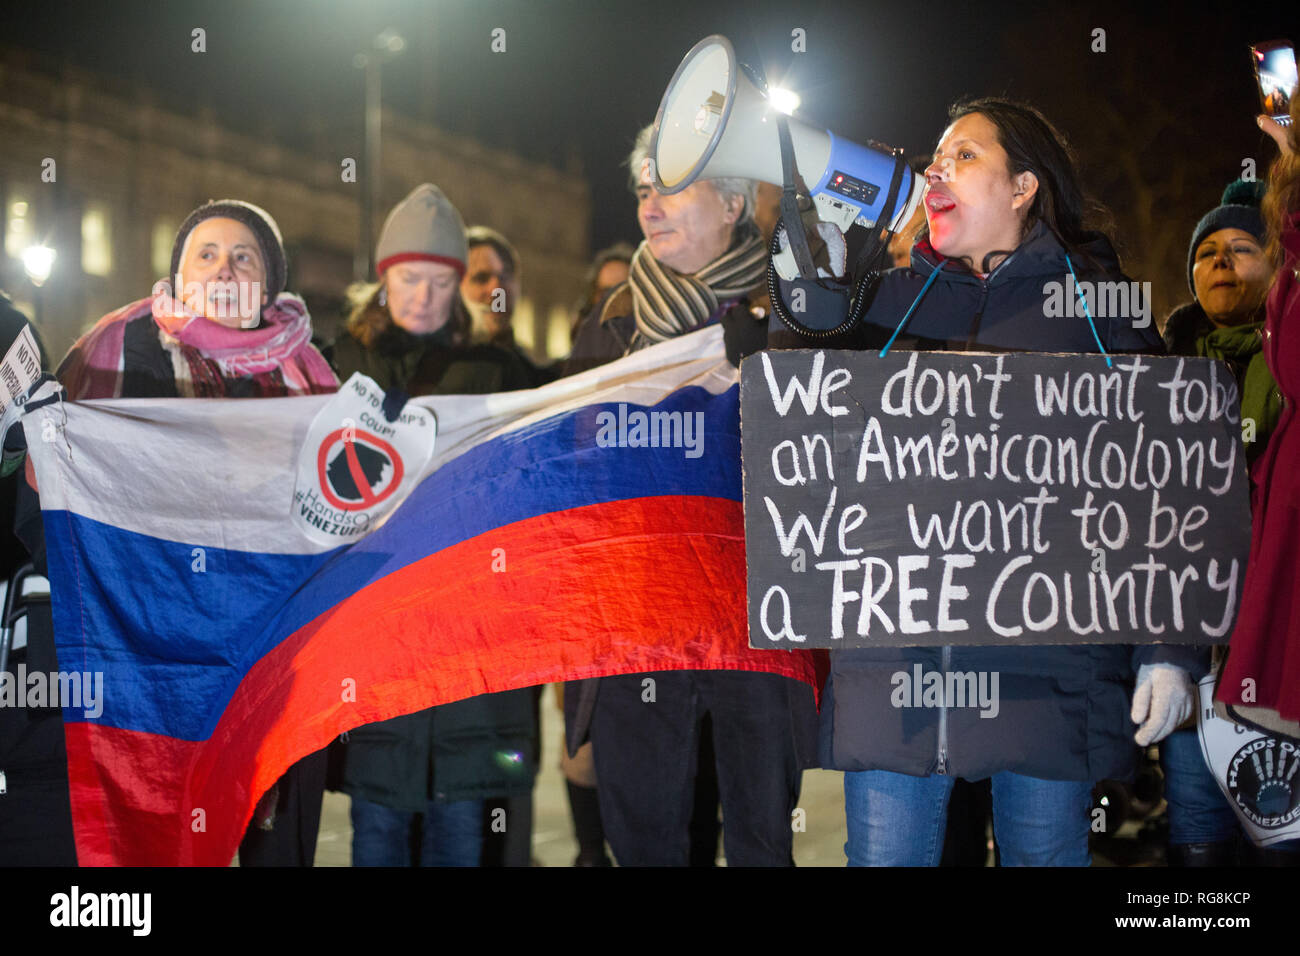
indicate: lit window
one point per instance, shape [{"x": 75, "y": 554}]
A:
[
  {"x": 96, "y": 250},
  {"x": 522, "y": 321},
  {"x": 557, "y": 333},
  {"x": 160, "y": 247},
  {"x": 18, "y": 232}
]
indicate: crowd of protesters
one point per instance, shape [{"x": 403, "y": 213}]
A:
[{"x": 1004, "y": 211}]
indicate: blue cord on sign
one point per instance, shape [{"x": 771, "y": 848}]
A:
[
  {"x": 933, "y": 275},
  {"x": 1087, "y": 311}
]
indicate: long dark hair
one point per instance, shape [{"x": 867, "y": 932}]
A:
[
  {"x": 1034, "y": 145},
  {"x": 1283, "y": 196}
]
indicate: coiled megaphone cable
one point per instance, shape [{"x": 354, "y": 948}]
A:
[
  {"x": 858, "y": 301},
  {"x": 865, "y": 275}
]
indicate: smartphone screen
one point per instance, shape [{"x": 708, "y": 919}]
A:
[{"x": 1275, "y": 73}]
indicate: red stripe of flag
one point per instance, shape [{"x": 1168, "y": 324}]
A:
[{"x": 623, "y": 587}]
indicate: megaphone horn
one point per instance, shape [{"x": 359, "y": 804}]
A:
[{"x": 714, "y": 123}]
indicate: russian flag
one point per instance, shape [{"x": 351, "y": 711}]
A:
[{"x": 534, "y": 548}]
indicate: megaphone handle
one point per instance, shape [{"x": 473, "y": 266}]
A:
[
  {"x": 790, "y": 202},
  {"x": 873, "y": 249}
]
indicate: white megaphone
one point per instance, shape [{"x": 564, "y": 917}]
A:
[{"x": 713, "y": 122}]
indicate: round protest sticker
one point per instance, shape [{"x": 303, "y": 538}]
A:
[
  {"x": 357, "y": 469},
  {"x": 1259, "y": 773},
  {"x": 1261, "y": 781},
  {"x": 356, "y": 466}
]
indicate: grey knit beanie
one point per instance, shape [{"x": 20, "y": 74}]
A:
[
  {"x": 423, "y": 227},
  {"x": 259, "y": 222},
  {"x": 1239, "y": 209}
]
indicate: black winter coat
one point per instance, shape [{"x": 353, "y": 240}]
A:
[
  {"x": 473, "y": 749},
  {"x": 1064, "y": 709}
]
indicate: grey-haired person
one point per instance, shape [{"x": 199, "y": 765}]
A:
[{"x": 703, "y": 260}]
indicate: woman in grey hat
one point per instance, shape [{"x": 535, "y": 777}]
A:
[
  {"x": 418, "y": 782},
  {"x": 411, "y": 330}
]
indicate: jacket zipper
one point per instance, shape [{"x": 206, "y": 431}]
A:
[
  {"x": 946, "y": 661},
  {"x": 979, "y": 315},
  {"x": 943, "y": 711}
]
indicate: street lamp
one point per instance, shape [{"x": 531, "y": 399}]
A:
[
  {"x": 386, "y": 46},
  {"x": 38, "y": 262}
]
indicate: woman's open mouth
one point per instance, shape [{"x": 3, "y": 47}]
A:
[{"x": 938, "y": 202}]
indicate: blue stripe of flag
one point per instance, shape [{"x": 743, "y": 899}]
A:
[{"x": 173, "y": 642}]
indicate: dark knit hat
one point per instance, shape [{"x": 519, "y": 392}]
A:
[
  {"x": 258, "y": 220},
  {"x": 1238, "y": 209},
  {"x": 423, "y": 227}
]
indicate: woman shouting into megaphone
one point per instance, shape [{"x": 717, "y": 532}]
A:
[{"x": 1004, "y": 216}]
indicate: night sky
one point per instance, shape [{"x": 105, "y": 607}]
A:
[{"x": 579, "y": 78}]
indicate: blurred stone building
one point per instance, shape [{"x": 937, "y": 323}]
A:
[{"x": 125, "y": 172}]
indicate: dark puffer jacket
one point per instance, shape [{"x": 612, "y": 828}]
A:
[
  {"x": 472, "y": 749},
  {"x": 429, "y": 365},
  {"x": 1064, "y": 710}
]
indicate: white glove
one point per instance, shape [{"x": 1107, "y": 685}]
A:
[{"x": 1162, "y": 701}]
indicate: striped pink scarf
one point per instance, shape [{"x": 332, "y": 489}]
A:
[{"x": 93, "y": 367}]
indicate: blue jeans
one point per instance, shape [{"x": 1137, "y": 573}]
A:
[
  {"x": 898, "y": 820},
  {"x": 1198, "y": 811},
  {"x": 446, "y": 834}
]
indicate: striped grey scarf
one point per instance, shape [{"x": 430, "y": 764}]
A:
[{"x": 666, "y": 304}]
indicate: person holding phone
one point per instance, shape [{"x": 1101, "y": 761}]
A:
[
  {"x": 1260, "y": 683},
  {"x": 1004, "y": 215},
  {"x": 1229, "y": 276}
]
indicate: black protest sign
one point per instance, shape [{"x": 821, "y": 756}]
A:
[{"x": 968, "y": 498}]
